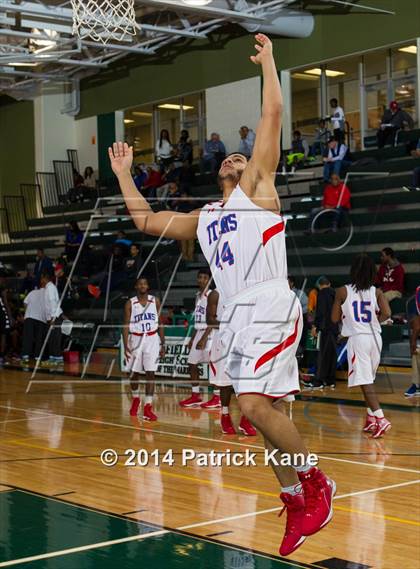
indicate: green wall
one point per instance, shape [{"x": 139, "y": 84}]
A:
[
  {"x": 204, "y": 65},
  {"x": 17, "y": 146}
]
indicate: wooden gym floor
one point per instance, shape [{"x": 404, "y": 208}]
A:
[{"x": 60, "y": 507}]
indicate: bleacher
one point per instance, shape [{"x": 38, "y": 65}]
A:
[{"x": 383, "y": 214}]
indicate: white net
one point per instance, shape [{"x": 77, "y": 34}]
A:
[{"x": 104, "y": 20}]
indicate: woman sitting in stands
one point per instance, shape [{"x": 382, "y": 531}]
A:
[{"x": 74, "y": 237}]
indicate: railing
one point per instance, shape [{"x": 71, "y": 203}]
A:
[
  {"x": 63, "y": 170},
  {"x": 31, "y": 194},
  {"x": 73, "y": 158},
  {"x": 15, "y": 213},
  {"x": 48, "y": 186},
  {"x": 4, "y": 227}
]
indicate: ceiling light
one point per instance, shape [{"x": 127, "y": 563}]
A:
[
  {"x": 328, "y": 72},
  {"x": 128, "y": 121},
  {"x": 175, "y": 107},
  {"x": 304, "y": 77},
  {"x": 141, "y": 114},
  {"x": 409, "y": 49},
  {"x": 196, "y": 2}
]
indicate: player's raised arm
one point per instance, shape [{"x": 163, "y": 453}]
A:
[
  {"x": 170, "y": 224},
  {"x": 266, "y": 153}
]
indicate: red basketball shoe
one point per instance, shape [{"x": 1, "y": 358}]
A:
[
  {"x": 370, "y": 423},
  {"x": 319, "y": 491},
  {"x": 193, "y": 401},
  {"x": 293, "y": 536},
  {"x": 246, "y": 428},
  {"x": 213, "y": 403},
  {"x": 148, "y": 414},
  {"x": 227, "y": 425},
  {"x": 135, "y": 404},
  {"x": 381, "y": 427}
]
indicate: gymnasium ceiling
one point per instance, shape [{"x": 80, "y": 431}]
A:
[{"x": 38, "y": 48}]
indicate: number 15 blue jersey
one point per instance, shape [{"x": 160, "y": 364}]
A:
[{"x": 360, "y": 312}]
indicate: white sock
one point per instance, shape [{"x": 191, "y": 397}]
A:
[
  {"x": 216, "y": 392},
  {"x": 370, "y": 412},
  {"x": 148, "y": 400},
  {"x": 196, "y": 389},
  {"x": 292, "y": 490},
  {"x": 225, "y": 410},
  {"x": 379, "y": 414},
  {"x": 135, "y": 393},
  {"x": 304, "y": 467}
]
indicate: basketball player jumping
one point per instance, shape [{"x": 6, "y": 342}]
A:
[
  {"x": 142, "y": 347},
  {"x": 243, "y": 239},
  {"x": 361, "y": 307}
]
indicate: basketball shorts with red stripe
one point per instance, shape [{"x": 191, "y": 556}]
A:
[
  {"x": 364, "y": 356},
  {"x": 217, "y": 373},
  {"x": 200, "y": 356},
  {"x": 260, "y": 330},
  {"x": 144, "y": 353}
]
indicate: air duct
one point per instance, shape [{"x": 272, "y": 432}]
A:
[
  {"x": 280, "y": 21},
  {"x": 289, "y": 23}
]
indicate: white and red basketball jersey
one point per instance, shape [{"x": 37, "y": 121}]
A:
[
  {"x": 244, "y": 244},
  {"x": 143, "y": 319},
  {"x": 360, "y": 312},
  {"x": 200, "y": 319}
]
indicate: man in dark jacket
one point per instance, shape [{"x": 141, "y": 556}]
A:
[
  {"x": 393, "y": 119},
  {"x": 327, "y": 356}
]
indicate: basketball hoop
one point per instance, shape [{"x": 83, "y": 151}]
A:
[{"x": 104, "y": 20}]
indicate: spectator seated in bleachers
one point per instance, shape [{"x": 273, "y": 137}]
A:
[
  {"x": 322, "y": 136},
  {"x": 164, "y": 151},
  {"x": 337, "y": 198},
  {"x": 213, "y": 154},
  {"x": 415, "y": 153},
  {"x": 43, "y": 263},
  {"x": 75, "y": 194},
  {"x": 124, "y": 242},
  {"x": 152, "y": 183},
  {"x": 299, "y": 152},
  {"x": 247, "y": 141},
  {"x": 336, "y": 158},
  {"x": 393, "y": 120},
  {"x": 391, "y": 275},
  {"x": 133, "y": 263},
  {"x": 90, "y": 183},
  {"x": 140, "y": 176},
  {"x": 184, "y": 148},
  {"x": 98, "y": 283},
  {"x": 73, "y": 240}
]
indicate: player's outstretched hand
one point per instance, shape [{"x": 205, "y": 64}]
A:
[
  {"x": 121, "y": 157},
  {"x": 264, "y": 48}
]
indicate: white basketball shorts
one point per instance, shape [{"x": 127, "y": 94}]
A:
[
  {"x": 217, "y": 373},
  {"x": 364, "y": 356},
  {"x": 260, "y": 334},
  {"x": 200, "y": 356},
  {"x": 144, "y": 353}
]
